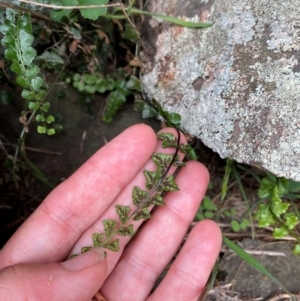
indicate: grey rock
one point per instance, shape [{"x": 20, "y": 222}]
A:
[{"x": 236, "y": 84}]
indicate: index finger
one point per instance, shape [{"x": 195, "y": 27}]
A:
[{"x": 74, "y": 205}]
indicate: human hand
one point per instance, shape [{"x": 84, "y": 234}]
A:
[{"x": 31, "y": 263}]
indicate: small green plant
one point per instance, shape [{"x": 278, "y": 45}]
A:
[
  {"x": 207, "y": 209},
  {"x": 117, "y": 85},
  {"x": 158, "y": 182},
  {"x": 275, "y": 213},
  {"x": 17, "y": 39},
  {"x": 238, "y": 226}
]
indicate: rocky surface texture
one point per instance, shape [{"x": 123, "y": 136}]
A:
[{"x": 236, "y": 84}]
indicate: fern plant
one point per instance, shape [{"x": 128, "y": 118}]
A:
[
  {"x": 18, "y": 39},
  {"x": 275, "y": 212},
  {"x": 158, "y": 183}
]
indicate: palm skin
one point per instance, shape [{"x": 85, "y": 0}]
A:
[{"x": 32, "y": 265}]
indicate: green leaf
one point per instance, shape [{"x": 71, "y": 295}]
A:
[
  {"x": 251, "y": 260},
  {"x": 179, "y": 163},
  {"x": 90, "y": 89},
  {"x": 86, "y": 249},
  {"x": 28, "y": 95},
  {"x": 90, "y": 79},
  {"x": 265, "y": 188},
  {"x": 134, "y": 84},
  {"x": 162, "y": 160},
  {"x": 126, "y": 231},
  {"x": 11, "y": 54},
  {"x": 45, "y": 107},
  {"x": 142, "y": 214},
  {"x": 28, "y": 55},
  {"x": 40, "y": 95},
  {"x": 115, "y": 100},
  {"x": 51, "y": 58},
  {"x": 209, "y": 214},
  {"x": 32, "y": 71},
  {"x": 174, "y": 119},
  {"x": 279, "y": 232},
  {"x": 208, "y": 204},
  {"x": 76, "y": 77},
  {"x": 149, "y": 112},
  {"x": 129, "y": 33},
  {"x": 109, "y": 226},
  {"x": 157, "y": 200},
  {"x": 8, "y": 27},
  {"x": 280, "y": 208},
  {"x": 76, "y": 33},
  {"x": 92, "y": 13},
  {"x": 138, "y": 195},
  {"x": 16, "y": 67},
  {"x": 50, "y": 119},
  {"x": 200, "y": 216},
  {"x": 293, "y": 186},
  {"x": 39, "y": 118},
  {"x": 58, "y": 15},
  {"x": 9, "y": 40},
  {"x": 36, "y": 83},
  {"x": 41, "y": 129},
  {"x": 296, "y": 250},
  {"x": 174, "y": 20},
  {"x": 189, "y": 151},
  {"x": 123, "y": 212},
  {"x": 168, "y": 139},
  {"x": 10, "y": 14},
  {"x": 169, "y": 184},
  {"x": 282, "y": 186},
  {"x": 244, "y": 224},
  {"x": 25, "y": 39},
  {"x": 264, "y": 216},
  {"x": 151, "y": 179},
  {"x": 112, "y": 245},
  {"x": 97, "y": 239},
  {"x": 50, "y": 132},
  {"x": 22, "y": 81},
  {"x": 291, "y": 222},
  {"x": 33, "y": 106},
  {"x": 235, "y": 226}
]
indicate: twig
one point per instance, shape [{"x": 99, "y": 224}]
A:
[
  {"x": 72, "y": 6},
  {"x": 118, "y": 4},
  {"x": 25, "y": 9},
  {"x": 259, "y": 252},
  {"x": 283, "y": 296},
  {"x": 33, "y": 149}
]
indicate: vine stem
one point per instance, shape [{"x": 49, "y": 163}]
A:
[
  {"x": 72, "y": 6},
  {"x": 24, "y": 130},
  {"x": 139, "y": 207},
  {"x": 118, "y": 4},
  {"x": 150, "y": 193},
  {"x": 25, "y": 9}
]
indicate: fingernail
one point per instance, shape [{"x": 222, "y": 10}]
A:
[{"x": 84, "y": 260}]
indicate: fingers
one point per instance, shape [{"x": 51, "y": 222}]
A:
[
  {"x": 189, "y": 273},
  {"x": 72, "y": 207},
  {"x": 75, "y": 280},
  {"x": 157, "y": 242},
  {"x": 125, "y": 199}
]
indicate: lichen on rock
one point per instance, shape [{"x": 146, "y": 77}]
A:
[{"x": 236, "y": 84}]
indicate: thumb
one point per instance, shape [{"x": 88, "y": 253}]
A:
[{"x": 75, "y": 279}]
